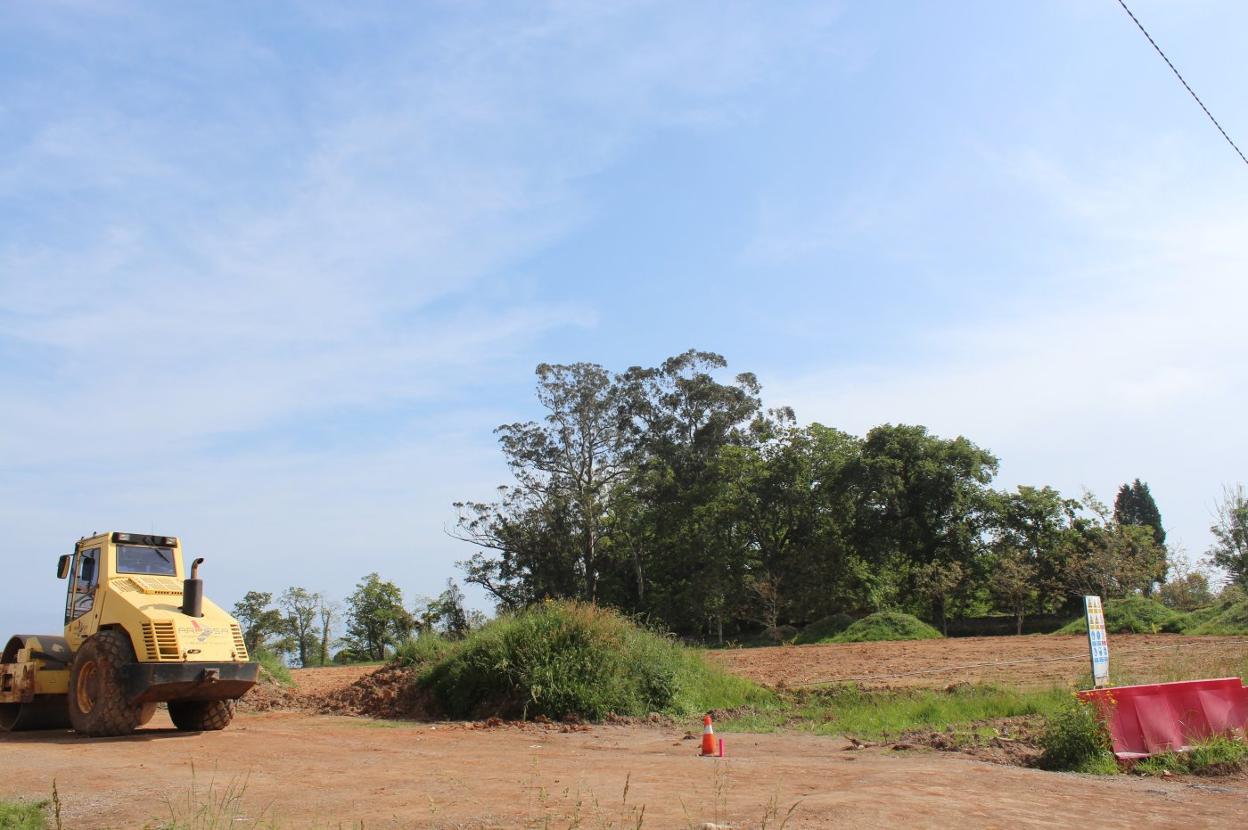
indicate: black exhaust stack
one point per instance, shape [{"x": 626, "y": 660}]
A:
[{"x": 193, "y": 592}]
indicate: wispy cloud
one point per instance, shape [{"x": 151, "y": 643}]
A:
[
  {"x": 1127, "y": 360},
  {"x": 230, "y": 240}
]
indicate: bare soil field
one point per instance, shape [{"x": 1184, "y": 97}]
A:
[
  {"x": 302, "y": 768},
  {"x": 1017, "y": 662},
  {"x": 305, "y": 770}
]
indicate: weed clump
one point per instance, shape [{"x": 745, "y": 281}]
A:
[
  {"x": 824, "y": 630},
  {"x": 567, "y": 659},
  {"x": 1076, "y": 739},
  {"x": 425, "y": 650},
  {"x": 272, "y": 668},
  {"x": 887, "y": 625},
  {"x": 1219, "y": 755},
  {"x": 23, "y": 815}
]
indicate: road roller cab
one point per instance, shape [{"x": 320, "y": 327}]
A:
[{"x": 138, "y": 631}]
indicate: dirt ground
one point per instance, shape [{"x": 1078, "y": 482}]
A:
[
  {"x": 301, "y": 768},
  {"x": 305, "y": 770},
  {"x": 1039, "y": 660}
]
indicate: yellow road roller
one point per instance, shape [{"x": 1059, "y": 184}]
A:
[{"x": 138, "y": 632}]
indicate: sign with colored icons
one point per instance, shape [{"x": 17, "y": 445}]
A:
[{"x": 1097, "y": 642}]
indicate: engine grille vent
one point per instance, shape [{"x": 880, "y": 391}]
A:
[
  {"x": 160, "y": 640},
  {"x": 240, "y": 645},
  {"x": 157, "y": 584}
]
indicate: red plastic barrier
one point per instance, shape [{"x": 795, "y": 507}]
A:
[{"x": 1161, "y": 717}]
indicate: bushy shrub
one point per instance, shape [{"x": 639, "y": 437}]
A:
[
  {"x": 1076, "y": 739},
  {"x": 887, "y": 625},
  {"x": 562, "y": 659},
  {"x": 824, "y": 629}
]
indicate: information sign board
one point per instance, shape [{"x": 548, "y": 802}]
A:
[{"x": 1097, "y": 642}]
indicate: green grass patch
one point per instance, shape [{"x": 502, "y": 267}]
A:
[
  {"x": 1171, "y": 763},
  {"x": 23, "y": 815},
  {"x": 273, "y": 666},
  {"x": 1229, "y": 618},
  {"x": 561, "y": 659},
  {"x": 887, "y": 625},
  {"x": 1133, "y": 615},
  {"x": 824, "y": 630},
  {"x": 424, "y": 650},
  {"x": 1219, "y": 755},
  {"x": 871, "y": 715}
]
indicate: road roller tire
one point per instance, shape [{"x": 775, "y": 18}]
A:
[
  {"x": 201, "y": 715},
  {"x": 97, "y": 701},
  {"x": 44, "y": 712}
]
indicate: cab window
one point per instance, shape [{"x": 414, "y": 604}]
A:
[
  {"x": 142, "y": 559},
  {"x": 85, "y": 577}
]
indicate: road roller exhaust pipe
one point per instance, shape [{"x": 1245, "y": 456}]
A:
[{"x": 193, "y": 592}]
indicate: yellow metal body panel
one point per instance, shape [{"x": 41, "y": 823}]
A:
[
  {"x": 148, "y": 608},
  {"x": 51, "y": 681}
]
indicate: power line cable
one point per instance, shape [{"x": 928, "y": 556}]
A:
[{"x": 1186, "y": 86}]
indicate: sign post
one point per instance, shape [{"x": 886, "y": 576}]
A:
[{"x": 1097, "y": 642}]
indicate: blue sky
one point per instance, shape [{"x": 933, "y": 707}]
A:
[{"x": 271, "y": 273}]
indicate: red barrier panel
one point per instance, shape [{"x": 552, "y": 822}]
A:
[{"x": 1160, "y": 717}]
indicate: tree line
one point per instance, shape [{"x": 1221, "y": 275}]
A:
[
  {"x": 303, "y": 627},
  {"x": 674, "y": 495}
]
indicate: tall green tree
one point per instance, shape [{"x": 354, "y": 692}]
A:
[
  {"x": 1031, "y": 527},
  {"x": 565, "y": 467},
  {"x": 691, "y": 446},
  {"x": 1230, "y": 533},
  {"x": 376, "y": 618},
  {"x": 1013, "y": 584},
  {"x": 299, "y": 609},
  {"x": 327, "y": 612},
  {"x": 1110, "y": 559},
  {"x": 258, "y": 618},
  {"x": 796, "y": 505},
  {"x": 1134, "y": 505},
  {"x": 446, "y": 614},
  {"x": 1186, "y": 589},
  {"x": 923, "y": 499}
]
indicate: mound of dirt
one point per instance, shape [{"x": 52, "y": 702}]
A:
[
  {"x": 265, "y": 697},
  {"x": 388, "y": 692}
]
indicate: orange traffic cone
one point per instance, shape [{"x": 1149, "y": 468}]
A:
[{"x": 708, "y": 738}]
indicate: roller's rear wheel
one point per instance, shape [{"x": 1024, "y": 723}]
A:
[
  {"x": 97, "y": 702},
  {"x": 44, "y": 712},
  {"x": 201, "y": 715}
]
